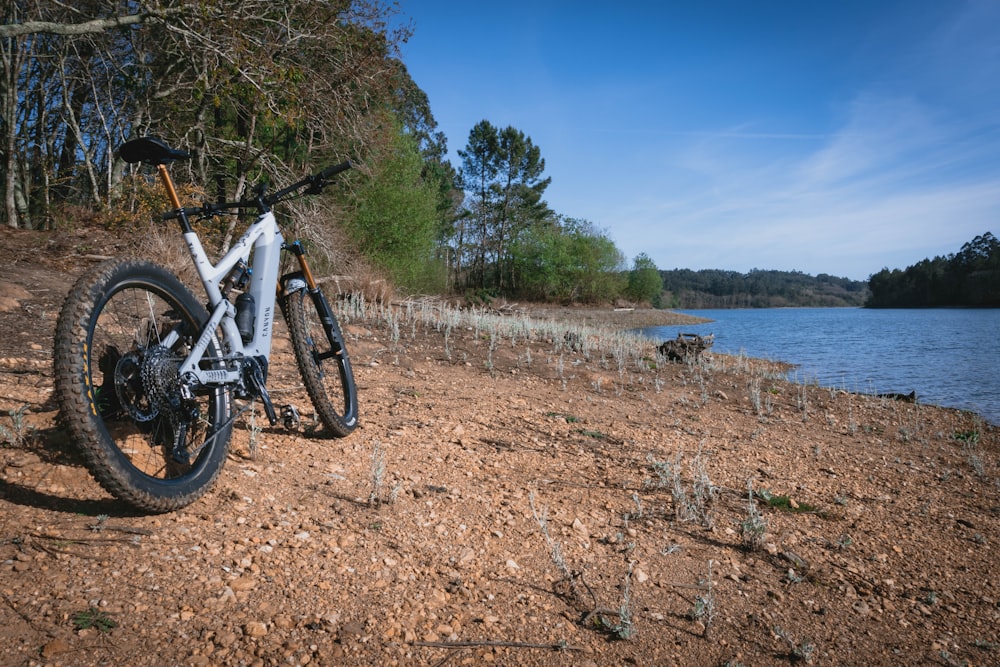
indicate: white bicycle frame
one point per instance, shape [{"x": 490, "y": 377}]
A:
[{"x": 265, "y": 240}]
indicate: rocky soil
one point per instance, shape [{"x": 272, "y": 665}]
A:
[{"x": 525, "y": 500}]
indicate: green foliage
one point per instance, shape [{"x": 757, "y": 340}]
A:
[
  {"x": 566, "y": 260},
  {"x": 969, "y": 278},
  {"x": 784, "y": 502},
  {"x": 645, "y": 284},
  {"x": 94, "y": 618},
  {"x": 395, "y": 219},
  {"x": 713, "y": 288}
]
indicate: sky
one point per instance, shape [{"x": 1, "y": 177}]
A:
[{"x": 822, "y": 136}]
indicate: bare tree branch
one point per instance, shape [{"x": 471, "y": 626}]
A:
[{"x": 96, "y": 25}]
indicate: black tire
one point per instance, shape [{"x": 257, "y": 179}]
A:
[
  {"x": 106, "y": 356},
  {"x": 325, "y": 367}
]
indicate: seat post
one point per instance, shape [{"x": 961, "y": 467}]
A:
[{"x": 169, "y": 185}]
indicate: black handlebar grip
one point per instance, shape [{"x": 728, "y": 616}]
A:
[{"x": 335, "y": 169}]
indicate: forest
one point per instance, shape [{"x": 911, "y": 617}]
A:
[
  {"x": 712, "y": 288},
  {"x": 259, "y": 90},
  {"x": 968, "y": 278}
]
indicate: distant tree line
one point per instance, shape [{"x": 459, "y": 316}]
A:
[
  {"x": 969, "y": 278},
  {"x": 713, "y": 288}
]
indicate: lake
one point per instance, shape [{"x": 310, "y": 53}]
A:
[{"x": 950, "y": 357}]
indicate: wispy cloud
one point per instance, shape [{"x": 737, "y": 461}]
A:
[
  {"x": 880, "y": 132},
  {"x": 893, "y": 184}
]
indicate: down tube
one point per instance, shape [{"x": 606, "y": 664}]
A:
[{"x": 266, "y": 264}]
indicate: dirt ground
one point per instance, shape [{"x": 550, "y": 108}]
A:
[{"x": 527, "y": 501}]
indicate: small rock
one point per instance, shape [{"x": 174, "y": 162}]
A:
[
  {"x": 227, "y": 596},
  {"x": 352, "y": 630},
  {"x": 242, "y": 584},
  {"x": 55, "y": 647},
  {"x": 255, "y": 629},
  {"x": 225, "y": 639}
]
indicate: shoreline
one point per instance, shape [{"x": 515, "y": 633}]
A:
[{"x": 613, "y": 318}]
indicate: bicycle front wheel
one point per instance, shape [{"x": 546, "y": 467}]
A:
[
  {"x": 322, "y": 360},
  {"x": 120, "y": 339}
]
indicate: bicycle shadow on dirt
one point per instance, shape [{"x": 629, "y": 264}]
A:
[
  {"x": 29, "y": 497},
  {"x": 50, "y": 449}
]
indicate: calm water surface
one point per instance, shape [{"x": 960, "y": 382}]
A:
[{"x": 950, "y": 357}]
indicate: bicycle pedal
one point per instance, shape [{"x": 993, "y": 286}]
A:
[{"x": 290, "y": 417}]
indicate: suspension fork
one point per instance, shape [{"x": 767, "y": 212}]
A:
[{"x": 305, "y": 275}]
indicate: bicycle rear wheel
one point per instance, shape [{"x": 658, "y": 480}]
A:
[
  {"x": 322, "y": 360},
  {"x": 120, "y": 339}
]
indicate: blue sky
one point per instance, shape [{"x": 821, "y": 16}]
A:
[{"x": 835, "y": 136}]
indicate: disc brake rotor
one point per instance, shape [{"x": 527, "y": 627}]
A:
[{"x": 129, "y": 387}]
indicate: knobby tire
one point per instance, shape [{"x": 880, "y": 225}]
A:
[
  {"x": 107, "y": 355},
  {"x": 325, "y": 367}
]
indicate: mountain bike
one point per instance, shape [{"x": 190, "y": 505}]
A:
[{"x": 148, "y": 378}]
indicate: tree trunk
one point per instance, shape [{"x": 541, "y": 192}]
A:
[{"x": 10, "y": 53}]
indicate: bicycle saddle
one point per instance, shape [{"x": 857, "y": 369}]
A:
[{"x": 150, "y": 150}]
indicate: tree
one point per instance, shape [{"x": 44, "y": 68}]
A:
[
  {"x": 502, "y": 172},
  {"x": 518, "y": 194},
  {"x": 644, "y": 281}
]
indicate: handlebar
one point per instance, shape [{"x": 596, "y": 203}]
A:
[
  {"x": 315, "y": 182},
  {"x": 334, "y": 170}
]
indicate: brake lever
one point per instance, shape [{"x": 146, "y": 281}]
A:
[{"x": 316, "y": 185}]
